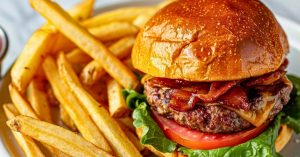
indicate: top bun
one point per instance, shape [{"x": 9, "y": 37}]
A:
[{"x": 211, "y": 40}]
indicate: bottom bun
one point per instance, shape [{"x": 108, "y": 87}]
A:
[{"x": 284, "y": 135}]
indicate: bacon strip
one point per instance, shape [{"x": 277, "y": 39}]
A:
[
  {"x": 268, "y": 79},
  {"x": 184, "y": 95}
]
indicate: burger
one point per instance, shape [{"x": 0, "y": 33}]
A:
[{"x": 215, "y": 81}]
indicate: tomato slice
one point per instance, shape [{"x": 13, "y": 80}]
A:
[{"x": 205, "y": 141}]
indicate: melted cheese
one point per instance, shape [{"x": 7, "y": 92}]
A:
[{"x": 258, "y": 117}]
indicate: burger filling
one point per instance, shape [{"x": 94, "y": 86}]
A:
[{"x": 220, "y": 107}]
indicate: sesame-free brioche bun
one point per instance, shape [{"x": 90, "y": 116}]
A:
[
  {"x": 284, "y": 135},
  {"x": 210, "y": 40}
]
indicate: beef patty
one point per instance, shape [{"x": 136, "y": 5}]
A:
[{"x": 214, "y": 118}]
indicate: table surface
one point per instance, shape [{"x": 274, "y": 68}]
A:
[{"x": 20, "y": 20}]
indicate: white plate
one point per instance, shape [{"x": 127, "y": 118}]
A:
[{"x": 8, "y": 146}]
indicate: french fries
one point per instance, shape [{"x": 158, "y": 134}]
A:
[
  {"x": 82, "y": 10},
  {"x": 24, "y": 108},
  {"x": 113, "y": 31},
  {"x": 66, "y": 119},
  {"x": 27, "y": 144},
  {"x": 123, "y": 14},
  {"x": 21, "y": 103},
  {"x": 120, "y": 144},
  {"x": 116, "y": 103},
  {"x": 84, "y": 40},
  {"x": 55, "y": 136},
  {"x": 73, "y": 107},
  {"x": 128, "y": 122},
  {"x": 132, "y": 137},
  {"x": 77, "y": 56},
  {"x": 93, "y": 71},
  {"x": 283, "y": 137},
  {"x": 98, "y": 51},
  {"x": 39, "y": 44},
  {"x": 38, "y": 100},
  {"x": 31, "y": 57}
]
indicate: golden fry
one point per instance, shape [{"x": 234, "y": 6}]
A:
[
  {"x": 113, "y": 31},
  {"x": 283, "y": 137},
  {"x": 40, "y": 44},
  {"x": 82, "y": 10},
  {"x": 79, "y": 12},
  {"x": 116, "y": 104},
  {"x": 73, "y": 107},
  {"x": 31, "y": 57},
  {"x": 66, "y": 119},
  {"x": 28, "y": 145},
  {"x": 84, "y": 40},
  {"x": 93, "y": 71},
  {"x": 21, "y": 103},
  {"x": 77, "y": 56},
  {"x": 38, "y": 100},
  {"x": 132, "y": 137},
  {"x": 55, "y": 136},
  {"x": 122, "y": 14},
  {"x": 128, "y": 122},
  {"x": 25, "y": 109},
  {"x": 118, "y": 141}
]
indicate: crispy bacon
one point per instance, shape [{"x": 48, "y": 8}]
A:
[
  {"x": 183, "y": 95},
  {"x": 236, "y": 98},
  {"x": 268, "y": 79}
]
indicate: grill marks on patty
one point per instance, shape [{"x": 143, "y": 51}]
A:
[{"x": 212, "y": 117}]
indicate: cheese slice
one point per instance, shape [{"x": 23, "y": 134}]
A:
[{"x": 258, "y": 117}]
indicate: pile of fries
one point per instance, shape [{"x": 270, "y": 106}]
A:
[{"x": 79, "y": 64}]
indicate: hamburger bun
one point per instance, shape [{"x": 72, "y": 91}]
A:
[
  {"x": 210, "y": 40},
  {"x": 284, "y": 135}
]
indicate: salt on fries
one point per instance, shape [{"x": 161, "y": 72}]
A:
[
  {"x": 73, "y": 107},
  {"x": 55, "y": 136},
  {"x": 119, "y": 142},
  {"x": 27, "y": 144},
  {"x": 84, "y": 40},
  {"x": 96, "y": 50}
]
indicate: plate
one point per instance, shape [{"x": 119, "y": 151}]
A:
[{"x": 9, "y": 147}]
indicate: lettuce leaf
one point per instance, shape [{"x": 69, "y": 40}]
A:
[{"x": 152, "y": 134}]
